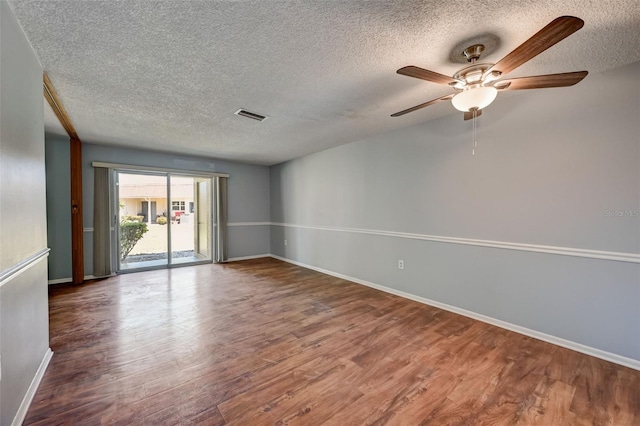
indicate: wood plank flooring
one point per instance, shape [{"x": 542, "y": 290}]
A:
[{"x": 264, "y": 342}]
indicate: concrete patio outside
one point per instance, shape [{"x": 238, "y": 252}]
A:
[{"x": 155, "y": 239}]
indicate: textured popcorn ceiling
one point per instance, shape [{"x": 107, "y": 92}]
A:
[{"x": 168, "y": 75}]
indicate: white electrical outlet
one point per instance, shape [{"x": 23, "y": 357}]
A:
[
  {"x": 400, "y": 264},
  {"x": 285, "y": 243}
]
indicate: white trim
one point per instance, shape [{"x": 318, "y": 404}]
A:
[
  {"x": 155, "y": 169},
  {"x": 31, "y": 390},
  {"x": 93, "y": 277},
  {"x": 564, "y": 251},
  {"x": 59, "y": 281},
  {"x": 578, "y": 347},
  {"x": 256, "y": 256},
  {"x": 68, "y": 280},
  {"x": 8, "y": 274}
]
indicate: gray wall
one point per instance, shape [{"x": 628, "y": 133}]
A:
[
  {"x": 24, "y": 321},
  {"x": 58, "y": 205},
  {"x": 553, "y": 167},
  {"x": 248, "y": 197}
]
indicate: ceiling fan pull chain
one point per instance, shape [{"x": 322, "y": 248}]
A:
[{"x": 475, "y": 141}]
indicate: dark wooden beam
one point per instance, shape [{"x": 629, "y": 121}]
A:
[
  {"x": 52, "y": 97},
  {"x": 77, "y": 227},
  {"x": 77, "y": 231}
]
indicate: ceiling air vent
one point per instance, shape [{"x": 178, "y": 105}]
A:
[{"x": 249, "y": 114}]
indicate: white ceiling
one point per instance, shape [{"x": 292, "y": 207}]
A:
[{"x": 169, "y": 75}]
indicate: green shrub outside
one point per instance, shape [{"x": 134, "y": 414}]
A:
[
  {"x": 131, "y": 231},
  {"x": 131, "y": 218},
  {"x": 161, "y": 220}
]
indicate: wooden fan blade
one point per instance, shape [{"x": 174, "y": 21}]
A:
[
  {"x": 423, "y": 74},
  {"x": 426, "y": 104},
  {"x": 542, "y": 81},
  {"x": 469, "y": 114},
  {"x": 559, "y": 29}
]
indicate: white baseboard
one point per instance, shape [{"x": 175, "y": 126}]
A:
[
  {"x": 59, "y": 281},
  {"x": 256, "y": 256},
  {"x": 578, "y": 347},
  {"x": 31, "y": 391},
  {"x": 68, "y": 280}
]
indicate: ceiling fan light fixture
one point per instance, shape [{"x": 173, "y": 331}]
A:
[
  {"x": 474, "y": 97},
  {"x": 478, "y": 83}
]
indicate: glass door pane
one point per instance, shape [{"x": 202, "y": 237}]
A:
[
  {"x": 203, "y": 215},
  {"x": 142, "y": 225},
  {"x": 190, "y": 207}
]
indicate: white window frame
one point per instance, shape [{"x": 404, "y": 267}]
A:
[{"x": 179, "y": 204}]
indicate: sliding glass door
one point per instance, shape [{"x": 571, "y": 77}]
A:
[
  {"x": 190, "y": 219},
  {"x": 164, "y": 220},
  {"x": 203, "y": 238}
]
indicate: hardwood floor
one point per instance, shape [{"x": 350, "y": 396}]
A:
[{"x": 264, "y": 342}]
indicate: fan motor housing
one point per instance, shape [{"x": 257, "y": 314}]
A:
[{"x": 473, "y": 73}]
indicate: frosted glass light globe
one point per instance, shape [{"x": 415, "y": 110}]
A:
[{"x": 476, "y": 97}]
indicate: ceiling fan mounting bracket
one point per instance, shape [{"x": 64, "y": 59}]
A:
[{"x": 473, "y": 52}]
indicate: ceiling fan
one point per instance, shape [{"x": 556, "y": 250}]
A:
[{"x": 477, "y": 85}]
